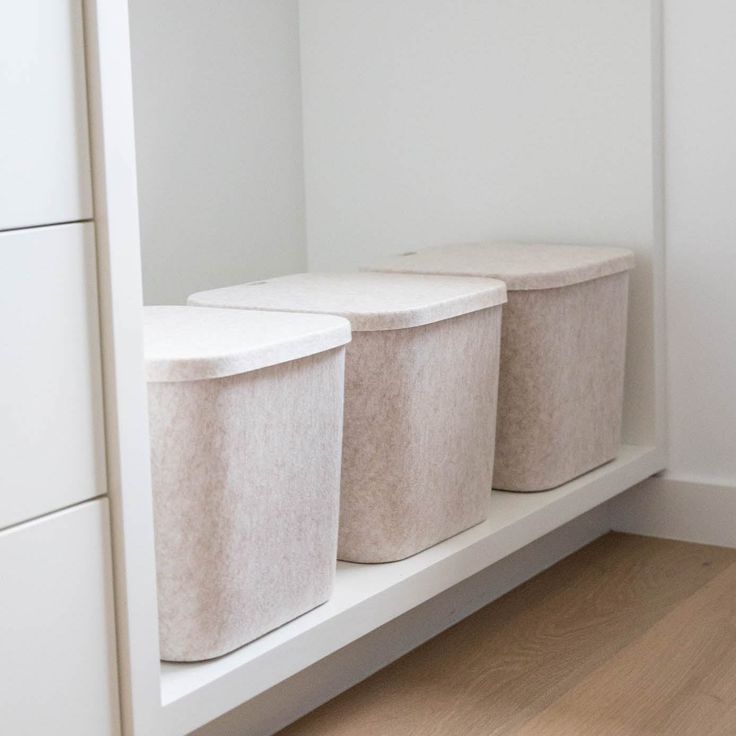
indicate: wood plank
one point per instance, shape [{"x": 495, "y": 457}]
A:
[
  {"x": 513, "y": 659},
  {"x": 679, "y": 678}
]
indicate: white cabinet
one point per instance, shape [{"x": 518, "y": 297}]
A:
[
  {"x": 51, "y": 434},
  {"x": 44, "y": 147},
  {"x": 57, "y": 646}
]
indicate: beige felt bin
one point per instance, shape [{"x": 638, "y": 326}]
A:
[
  {"x": 245, "y": 415},
  {"x": 562, "y": 352},
  {"x": 420, "y": 400}
]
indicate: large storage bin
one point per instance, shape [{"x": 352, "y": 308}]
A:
[
  {"x": 420, "y": 400},
  {"x": 246, "y": 429},
  {"x": 562, "y": 353}
]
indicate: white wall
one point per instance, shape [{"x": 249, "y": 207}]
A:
[
  {"x": 218, "y": 129},
  {"x": 431, "y": 121},
  {"x": 408, "y": 110},
  {"x": 435, "y": 120},
  {"x": 700, "y": 89}
]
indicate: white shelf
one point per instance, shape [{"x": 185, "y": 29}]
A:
[
  {"x": 368, "y": 596},
  {"x": 174, "y": 700}
]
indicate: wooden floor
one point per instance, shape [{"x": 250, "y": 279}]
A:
[{"x": 630, "y": 636}]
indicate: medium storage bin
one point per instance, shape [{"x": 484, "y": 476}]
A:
[
  {"x": 420, "y": 400},
  {"x": 562, "y": 353},
  {"x": 246, "y": 429}
]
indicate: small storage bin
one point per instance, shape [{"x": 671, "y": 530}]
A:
[
  {"x": 420, "y": 400},
  {"x": 562, "y": 353},
  {"x": 246, "y": 428}
]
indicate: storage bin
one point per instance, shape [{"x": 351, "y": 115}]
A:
[
  {"x": 246, "y": 430},
  {"x": 420, "y": 400},
  {"x": 562, "y": 353}
]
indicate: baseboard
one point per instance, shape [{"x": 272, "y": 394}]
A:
[
  {"x": 674, "y": 509},
  {"x": 277, "y": 708}
]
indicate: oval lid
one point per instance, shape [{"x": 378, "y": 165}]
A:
[
  {"x": 187, "y": 344},
  {"x": 521, "y": 266},
  {"x": 371, "y": 301}
]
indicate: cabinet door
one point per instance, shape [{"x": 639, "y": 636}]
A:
[
  {"x": 51, "y": 428},
  {"x": 57, "y": 643},
  {"x": 44, "y": 148}
]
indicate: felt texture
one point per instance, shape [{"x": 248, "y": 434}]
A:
[
  {"x": 246, "y": 480},
  {"x": 420, "y": 417},
  {"x": 520, "y": 266},
  {"x": 420, "y": 400},
  {"x": 371, "y": 301},
  {"x": 562, "y": 352},
  {"x": 185, "y": 344},
  {"x": 562, "y": 382}
]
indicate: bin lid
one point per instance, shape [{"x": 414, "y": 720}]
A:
[
  {"x": 522, "y": 266},
  {"x": 188, "y": 344},
  {"x": 371, "y": 301}
]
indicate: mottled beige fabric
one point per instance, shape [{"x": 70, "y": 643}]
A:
[
  {"x": 420, "y": 400},
  {"x": 246, "y": 476},
  {"x": 561, "y": 385},
  {"x": 371, "y": 301},
  {"x": 185, "y": 344},
  {"x": 420, "y": 411},
  {"x": 521, "y": 266},
  {"x": 562, "y": 352}
]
